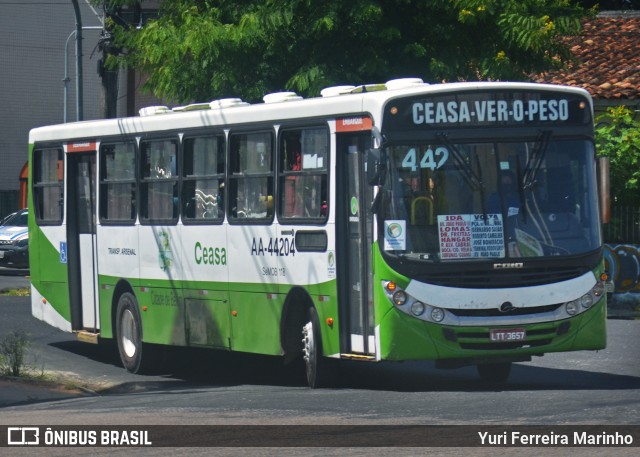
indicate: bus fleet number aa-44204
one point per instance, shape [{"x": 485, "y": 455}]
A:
[{"x": 282, "y": 247}]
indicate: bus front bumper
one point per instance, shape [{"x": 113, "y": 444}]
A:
[{"x": 405, "y": 338}]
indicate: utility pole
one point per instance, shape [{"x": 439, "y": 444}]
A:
[
  {"x": 109, "y": 79},
  {"x": 108, "y": 76},
  {"x": 127, "y": 16},
  {"x": 79, "y": 91}
]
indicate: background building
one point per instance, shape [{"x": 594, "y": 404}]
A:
[
  {"x": 35, "y": 36},
  {"x": 607, "y": 62}
]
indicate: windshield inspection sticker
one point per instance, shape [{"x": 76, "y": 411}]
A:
[
  {"x": 395, "y": 235},
  {"x": 464, "y": 236}
]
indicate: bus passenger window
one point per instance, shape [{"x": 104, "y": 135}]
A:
[
  {"x": 159, "y": 181},
  {"x": 48, "y": 185},
  {"x": 118, "y": 183},
  {"x": 303, "y": 174},
  {"x": 203, "y": 179},
  {"x": 251, "y": 177}
]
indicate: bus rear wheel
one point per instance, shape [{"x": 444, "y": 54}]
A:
[
  {"x": 315, "y": 364},
  {"x": 494, "y": 373},
  {"x": 129, "y": 334}
]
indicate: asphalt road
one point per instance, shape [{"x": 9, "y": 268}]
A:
[
  {"x": 13, "y": 278},
  {"x": 611, "y": 375},
  {"x": 212, "y": 388}
]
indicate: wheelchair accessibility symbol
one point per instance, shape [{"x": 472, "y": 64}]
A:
[{"x": 63, "y": 252}]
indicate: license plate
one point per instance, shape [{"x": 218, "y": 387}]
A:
[{"x": 501, "y": 335}]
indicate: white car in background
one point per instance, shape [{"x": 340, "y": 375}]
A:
[{"x": 14, "y": 240}]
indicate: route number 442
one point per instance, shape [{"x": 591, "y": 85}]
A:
[{"x": 430, "y": 159}]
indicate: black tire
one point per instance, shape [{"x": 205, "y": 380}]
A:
[
  {"x": 494, "y": 373},
  {"x": 316, "y": 366},
  {"x": 129, "y": 335}
]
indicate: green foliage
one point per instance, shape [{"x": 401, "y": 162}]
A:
[
  {"x": 618, "y": 137},
  {"x": 13, "y": 349},
  {"x": 204, "y": 49}
]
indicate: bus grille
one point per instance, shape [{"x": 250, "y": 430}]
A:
[
  {"x": 491, "y": 312},
  {"x": 488, "y": 279}
]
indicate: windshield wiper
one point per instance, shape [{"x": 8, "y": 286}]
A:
[
  {"x": 523, "y": 201},
  {"x": 535, "y": 161},
  {"x": 481, "y": 185},
  {"x": 467, "y": 171}
]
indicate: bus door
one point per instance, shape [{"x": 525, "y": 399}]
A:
[
  {"x": 355, "y": 236},
  {"x": 81, "y": 235}
]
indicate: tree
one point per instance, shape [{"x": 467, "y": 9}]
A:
[
  {"x": 618, "y": 137},
  {"x": 205, "y": 49}
]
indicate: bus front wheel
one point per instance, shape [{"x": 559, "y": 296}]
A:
[
  {"x": 129, "y": 333},
  {"x": 494, "y": 372},
  {"x": 315, "y": 363}
]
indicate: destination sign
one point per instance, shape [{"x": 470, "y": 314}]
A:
[
  {"x": 481, "y": 111},
  {"x": 487, "y": 109}
]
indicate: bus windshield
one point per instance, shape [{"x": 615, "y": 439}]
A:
[{"x": 446, "y": 201}]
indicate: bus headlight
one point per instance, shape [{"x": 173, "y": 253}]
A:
[
  {"x": 417, "y": 308},
  {"x": 598, "y": 289},
  {"x": 399, "y": 297},
  {"x": 586, "y": 301},
  {"x": 413, "y": 306},
  {"x": 437, "y": 314},
  {"x": 571, "y": 308}
]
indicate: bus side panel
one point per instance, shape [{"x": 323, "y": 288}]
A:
[
  {"x": 162, "y": 313},
  {"x": 254, "y": 299},
  {"x": 106, "y": 289},
  {"x": 118, "y": 259},
  {"x": 205, "y": 272},
  {"x": 329, "y": 329},
  {"x": 109, "y": 302},
  {"x": 49, "y": 276},
  {"x": 255, "y": 322},
  {"x": 325, "y": 301},
  {"x": 48, "y": 268},
  {"x": 161, "y": 277},
  {"x": 315, "y": 271},
  {"x": 207, "y": 319}
]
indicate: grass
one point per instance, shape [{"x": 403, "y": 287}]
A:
[
  {"x": 61, "y": 382},
  {"x": 22, "y": 292},
  {"x": 13, "y": 348},
  {"x": 14, "y": 365}
]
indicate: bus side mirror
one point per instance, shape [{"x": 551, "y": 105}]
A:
[
  {"x": 376, "y": 168},
  {"x": 604, "y": 189}
]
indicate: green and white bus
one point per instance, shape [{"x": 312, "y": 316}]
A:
[{"x": 402, "y": 221}]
